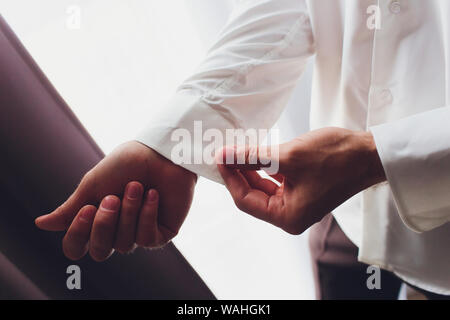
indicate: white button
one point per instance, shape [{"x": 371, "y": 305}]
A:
[{"x": 395, "y": 7}]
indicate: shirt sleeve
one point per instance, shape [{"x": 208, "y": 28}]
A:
[
  {"x": 415, "y": 153},
  {"x": 244, "y": 82}
]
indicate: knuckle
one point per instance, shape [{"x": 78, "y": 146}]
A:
[
  {"x": 147, "y": 242},
  {"x": 159, "y": 245},
  {"x": 131, "y": 155},
  {"x": 86, "y": 185},
  {"x": 124, "y": 248},
  {"x": 88, "y": 177},
  {"x": 144, "y": 242},
  {"x": 290, "y": 154},
  {"x": 239, "y": 204}
]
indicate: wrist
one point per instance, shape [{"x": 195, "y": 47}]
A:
[{"x": 374, "y": 170}]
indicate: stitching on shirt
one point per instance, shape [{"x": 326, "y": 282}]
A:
[{"x": 229, "y": 83}]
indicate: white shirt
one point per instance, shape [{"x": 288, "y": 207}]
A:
[{"x": 393, "y": 80}]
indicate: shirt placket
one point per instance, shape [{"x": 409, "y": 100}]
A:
[{"x": 382, "y": 91}]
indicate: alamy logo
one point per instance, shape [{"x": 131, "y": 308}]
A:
[
  {"x": 201, "y": 146},
  {"x": 74, "y": 279},
  {"x": 374, "y": 20},
  {"x": 73, "y": 20},
  {"x": 374, "y": 280}
]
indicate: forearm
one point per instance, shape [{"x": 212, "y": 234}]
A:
[{"x": 238, "y": 85}]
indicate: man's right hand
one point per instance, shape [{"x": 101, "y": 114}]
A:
[{"x": 115, "y": 225}]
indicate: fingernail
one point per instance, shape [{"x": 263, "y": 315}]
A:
[
  {"x": 110, "y": 203},
  {"x": 152, "y": 195},
  {"x": 133, "y": 191},
  {"x": 87, "y": 215}
]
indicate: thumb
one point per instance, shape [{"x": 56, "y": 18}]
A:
[
  {"x": 268, "y": 158},
  {"x": 61, "y": 218}
]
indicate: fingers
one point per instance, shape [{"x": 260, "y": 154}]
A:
[
  {"x": 75, "y": 242},
  {"x": 61, "y": 218},
  {"x": 129, "y": 213},
  {"x": 252, "y": 201},
  {"x": 279, "y": 177},
  {"x": 116, "y": 224},
  {"x": 249, "y": 157},
  {"x": 148, "y": 234},
  {"x": 234, "y": 181},
  {"x": 257, "y": 182},
  {"x": 104, "y": 229}
]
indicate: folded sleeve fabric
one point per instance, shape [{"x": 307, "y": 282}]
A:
[
  {"x": 415, "y": 153},
  {"x": 244, "y": 82}
]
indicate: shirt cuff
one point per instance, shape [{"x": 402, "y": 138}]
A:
[
  {"x": 415, "y": 153},
  {"x": 186, "y": 114}
]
